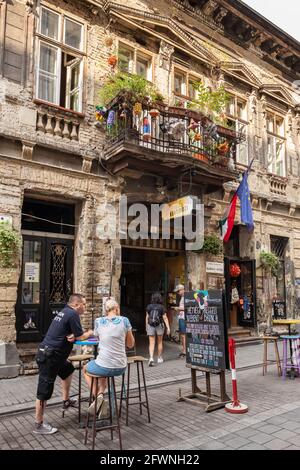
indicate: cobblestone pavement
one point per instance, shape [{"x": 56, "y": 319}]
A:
[
  {"x": 273, "y": 421},
  {"x": 19, "y": 393}
]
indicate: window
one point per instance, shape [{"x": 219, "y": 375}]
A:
[
  {"x": 179, "y": 84},
  {"x": 236, "y": 111},
  {"x": 143, "y": 66},
  {"x": 183, "y": 84},
  {"x": 134, "y": 61},
  {"x": 59, "y": 71},
  {"x": 276, "y": 144}
]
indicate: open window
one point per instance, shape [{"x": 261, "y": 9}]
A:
[{"x": 59, "y": 69}]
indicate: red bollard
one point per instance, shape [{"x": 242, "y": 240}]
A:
[{"x": 235, "y": 406}]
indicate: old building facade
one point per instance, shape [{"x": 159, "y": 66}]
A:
[{"x": 62, "y": 177}]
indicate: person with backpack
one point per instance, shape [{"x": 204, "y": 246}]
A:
[{"x": 156, "y": 318}]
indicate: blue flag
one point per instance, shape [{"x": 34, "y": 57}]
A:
[{"x": 243, "y": 193}]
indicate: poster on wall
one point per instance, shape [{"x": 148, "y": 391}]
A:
[
  {"x": 205, "y": 329},
  {"x": 32, "y": 272},
  {"x": 279, "y": 310}
]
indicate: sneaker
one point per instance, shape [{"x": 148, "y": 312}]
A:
[
  {"x": 160, "y": 360},
  {"x": 91, "y": 408},
  {"x": 44, "y": 428},
  {"x": 103, "y": 412},
  {"x": 151, "y": 362},
  {"x": 70, "y": 403}
]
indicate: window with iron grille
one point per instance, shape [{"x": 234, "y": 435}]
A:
[{"x": 278, "y": 246}]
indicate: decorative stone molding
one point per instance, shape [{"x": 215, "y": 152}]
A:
[
  {"x": 209, "y": 7},
  {"x": 29, "y": 6},
  {"x": 87, "y": 164},
  {"x": 57, "y": 125},
  {"x": 268, "y": 205},
  {"x": 220, "y": 15},
  {"x": 27, "y": 149},
  {"x": 278, "y": 185},
  {"x": 292, "y": 210},
  {"x": 165, "y": 55},
  {"x": 255, "y": 202}
]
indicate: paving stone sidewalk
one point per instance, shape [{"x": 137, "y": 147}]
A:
[
  {"x": 19, "y": 393},
  {"x": 273, "y": 421}
]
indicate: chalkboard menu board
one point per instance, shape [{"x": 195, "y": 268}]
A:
[
  {"x": 279, "y": 310},
  {"x": 205, "y": 329}
]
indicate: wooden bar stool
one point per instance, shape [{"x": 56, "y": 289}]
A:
[
  {"x": 139, "y": 361},
  {"x": 81, "y": 358},
  {"x": 111, "y": 387},
  {"x": 266, "y": 361},
  {"x": 294, "y": 363}
]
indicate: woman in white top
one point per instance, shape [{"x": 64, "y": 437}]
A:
[{"x": 115, "y": 334}]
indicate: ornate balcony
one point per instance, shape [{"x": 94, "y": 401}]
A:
[{"x": 168, "y": 141}]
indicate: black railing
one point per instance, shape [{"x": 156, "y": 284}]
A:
[{"x": 170, "y": 130}]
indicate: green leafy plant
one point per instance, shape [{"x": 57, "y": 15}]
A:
[
  {"x": 270, "y": 262},
  {"x": 137, "y": 87},
  {"x": 9, "y": 246},
  {"x": 210, "y": 102},
  {"x": 212, "y": 245}
]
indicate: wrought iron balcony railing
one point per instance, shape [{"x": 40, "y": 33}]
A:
[{"x": 169, "y": 130}]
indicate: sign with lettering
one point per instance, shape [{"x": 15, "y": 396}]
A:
[
  {"x": 279, "y": 310},
  {"x": 32, "y": 272},
  {"x": 102, "y": 290},
  {"x": 179, "y": 208},
  {"x": 205, "y": 329},
  {"x": 215, "y": 268}
]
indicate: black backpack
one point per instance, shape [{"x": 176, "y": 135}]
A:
[{"x": 154, "y": 317}]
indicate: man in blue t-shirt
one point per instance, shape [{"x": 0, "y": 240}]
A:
[{"x": 52, "y": 357}]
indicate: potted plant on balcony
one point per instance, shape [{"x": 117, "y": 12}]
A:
[
  {"x": 136, "y": 88},
  {"x": 210, "y": 102}
]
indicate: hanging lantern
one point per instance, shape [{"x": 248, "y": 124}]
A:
[
  {"x": 223, "y": 148},
  {"x": 112, "y": 60},
  {"x": 137, "y": 109},
  {"x": 235, "y": 270},
  {"x": 111, "y": 118},
  {"x": 197, "y": 137},
  {"x": 146, "y": 129},
  {"x": 154, "y": 113},
  {"x": 108, "y": 41}
]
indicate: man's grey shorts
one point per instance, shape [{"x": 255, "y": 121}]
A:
[{"x": 155, "y": 330}]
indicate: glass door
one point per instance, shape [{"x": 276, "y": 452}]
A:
[
  {"x": 29, "y": 322},
  {"x": 45, "y": 284}
]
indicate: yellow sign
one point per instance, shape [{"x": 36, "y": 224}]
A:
[{"x": 179, "y": 208}]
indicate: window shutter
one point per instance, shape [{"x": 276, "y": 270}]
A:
[{"x": 14, "y": 37}]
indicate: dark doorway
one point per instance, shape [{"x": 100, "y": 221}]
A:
[
  {"x": 46, "y": 279},
  {"x": 241, "y": 293}
]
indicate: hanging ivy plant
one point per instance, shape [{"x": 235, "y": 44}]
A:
[
  {"x": 270, "y": 262},
  {"x": 9, "y": 246}
]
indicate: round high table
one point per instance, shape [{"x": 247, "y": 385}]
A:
[
  {"x": 288, "y": 322},
  {"x": 89, "y": 342}
]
